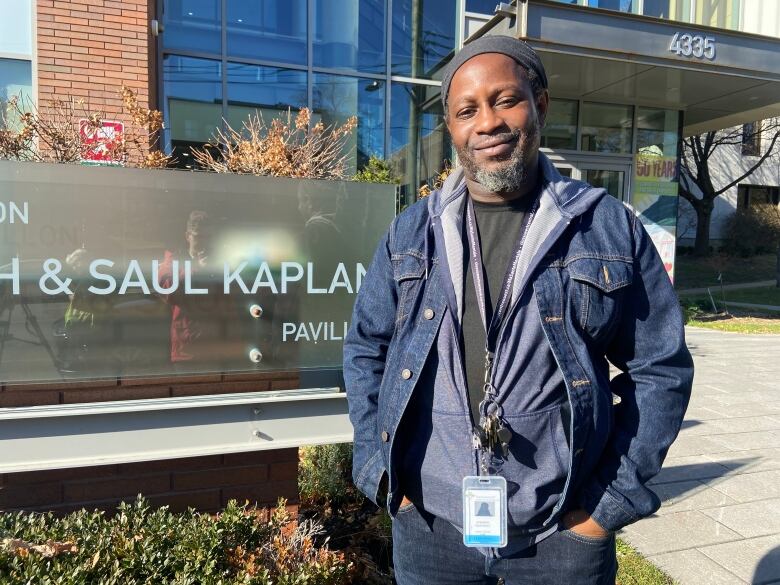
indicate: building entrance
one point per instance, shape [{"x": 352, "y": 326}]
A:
[{"x": 610, "y": 173}]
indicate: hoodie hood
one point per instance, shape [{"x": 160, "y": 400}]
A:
[{"x": 562, "y": 199}]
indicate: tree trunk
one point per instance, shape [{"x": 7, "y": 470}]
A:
[{"x": 702, "y": 245}]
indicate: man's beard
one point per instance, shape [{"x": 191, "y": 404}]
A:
[{"x": 513, "y": 173}]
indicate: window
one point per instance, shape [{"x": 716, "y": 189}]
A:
[
  {"x": 671, "y": 9},
  {"x": 337, "y": 97},
  {"x": 718, "y": 13},
  {"x": 193, "y": 103},
  {"x": 482, "y": 6},
  {"x": 560, "y": 129},
  {"x": 657, "y": 131},
  {"x": 355, "y": 40},
  {"x": 606, "y": 127},
  {"x": 15, "y": 81},
  {"x": 267, "y": 29},
  {"x": 268, "y": 91},
  {"x": 423, "y": 37},
  {"x": 751, "y": 196},
  {"x": 193, "y": 25},
  {"x": 751, "y": 139},
  {"x": 15, "y": 55},
  {"x": 621, "y": 5},
  {"x": 418, "y": 141}
]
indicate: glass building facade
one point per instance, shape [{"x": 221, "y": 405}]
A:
[
  {"x": 379, "y": 59},
  {"x": 223, "y": 60},
  {"x": 15, "y": 54},
  {"x": 716, "y": 13}
]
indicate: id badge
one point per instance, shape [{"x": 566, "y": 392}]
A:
[{"x": 484, "y": 511}]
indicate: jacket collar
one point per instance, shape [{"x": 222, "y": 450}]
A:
[{"x": 561, "y": 200}]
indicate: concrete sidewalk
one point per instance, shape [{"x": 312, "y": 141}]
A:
[
  {"x": 716, "y": 287},
  {"x": 720, "y": 521}
]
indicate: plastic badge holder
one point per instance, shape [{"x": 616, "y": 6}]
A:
[{"x": 484, "y": 511}]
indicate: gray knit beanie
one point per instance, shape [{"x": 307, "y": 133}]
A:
[{"x": 518, "y": 50}]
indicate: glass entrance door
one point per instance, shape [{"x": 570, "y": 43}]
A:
[
  {"x": 614, "y": 182},
  {"x": 614, "y": 177}
]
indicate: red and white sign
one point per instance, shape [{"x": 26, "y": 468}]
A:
[{"x": 101, "y": 144}]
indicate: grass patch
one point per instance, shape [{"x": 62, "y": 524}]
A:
[
  {"x": 747, "y": 325},
  {"x": 766, "y": 295},
  {"x": 634, "y": 569},
  {"x": 699, "y": 313},
  {"x": 693, "y": 272}
]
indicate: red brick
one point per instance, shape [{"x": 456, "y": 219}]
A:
[
  {"x": 171, "y": 380},
  {"x": 170, "y": 465},
  {"x": 16, "y": 398},
  {"x": 23, "y": 496},
  {"x": 117, "y": 393},
  {"x": 115, "y": 487},
  {"x": 31, "y": 478},
  {"x": 218, "y": 388},
  {"x": 221, "y": 477},
  {"x": 282, "y": 471},
  {"x": 285, "y": 384},
  {"x": 201, "y": 500},
  {"x": 258, "y": 457}
]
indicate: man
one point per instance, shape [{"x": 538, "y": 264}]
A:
[{"x": 478, "y": 353}]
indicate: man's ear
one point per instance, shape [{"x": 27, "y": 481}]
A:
[{"x": 542, "y": 105}]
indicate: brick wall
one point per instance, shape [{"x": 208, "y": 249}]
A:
[
  {"x": 89, "y": 48},
  {"x": 204, "y": 483}
]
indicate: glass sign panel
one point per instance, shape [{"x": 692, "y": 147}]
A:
[{"x": 114, "y": 272}]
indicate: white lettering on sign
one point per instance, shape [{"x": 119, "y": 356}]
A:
[
  {"x": 688, "y": 45},
  {"x": 311, "y": 331},
  {"x": 11, "y": 212},
  {"x": 13, "y": 276}
]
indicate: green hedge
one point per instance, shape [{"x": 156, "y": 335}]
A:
[{"x": 141, "y": 545}]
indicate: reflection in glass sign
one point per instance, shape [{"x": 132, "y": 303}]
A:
[{"x": 109, "y": 273}]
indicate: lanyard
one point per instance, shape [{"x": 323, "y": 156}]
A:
[{"x": 491, "y": 431}]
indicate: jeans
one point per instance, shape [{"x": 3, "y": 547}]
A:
[{"x": 429, "y": 551}]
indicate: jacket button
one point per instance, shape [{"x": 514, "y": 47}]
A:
[
  {"x": 428, "y": 314},
  {"x": 385, "y": 436},
  {"x": 406, "y": 374}
]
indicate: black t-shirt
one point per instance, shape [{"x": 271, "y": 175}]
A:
[{"x": 498, "y": 226}]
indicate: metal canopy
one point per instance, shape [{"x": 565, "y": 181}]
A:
[{"x": 602, "y": 55}]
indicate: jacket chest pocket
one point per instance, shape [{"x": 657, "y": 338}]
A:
[
  {"x": 408, "y": 273},
  {"x": 596, "y": 291}
]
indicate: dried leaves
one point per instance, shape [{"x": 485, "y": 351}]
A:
[
  {"x": 437, "y": 183},
  {"x": 48, "y": 549},
  {"x": 52, "y": 132},
  {"x": 291, "y": 148}
]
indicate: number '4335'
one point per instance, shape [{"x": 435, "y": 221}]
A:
[{"x": 688, "y": 45}]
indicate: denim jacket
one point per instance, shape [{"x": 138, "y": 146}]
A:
[{"x": 590, "y": 278}]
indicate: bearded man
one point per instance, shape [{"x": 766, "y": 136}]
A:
[{"x": 477, "y": 363}]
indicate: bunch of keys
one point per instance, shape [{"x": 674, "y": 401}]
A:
[{"x": 493, "y": 433}]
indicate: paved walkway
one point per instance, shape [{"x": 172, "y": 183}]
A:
[
  {"x": 753, "y": 306},
  {"x": 716, "y": 287},
  {"x": 720, "y": 521}
]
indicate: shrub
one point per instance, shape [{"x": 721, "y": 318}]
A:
[
  {"x": 287, "y": 148},
  {"x": 376, "y": 170},
  {"x": 52, "y": 132},
  {"x": 753, "y": 231},
  {"x": 325, "y": 475},
  {"x": 140, "y": 545}
]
